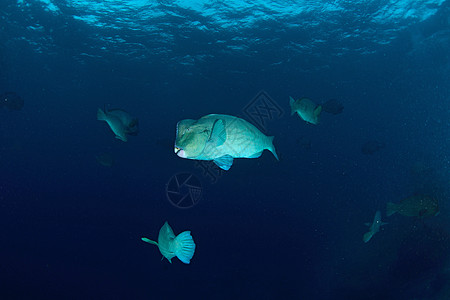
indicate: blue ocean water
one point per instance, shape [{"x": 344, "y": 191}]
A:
[{"x": 71, "y": 227}]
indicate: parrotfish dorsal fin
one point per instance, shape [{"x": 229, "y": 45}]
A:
[{"x": 218, "y": 132}]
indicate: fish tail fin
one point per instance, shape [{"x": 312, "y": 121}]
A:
[
  {"x": 367, "y": 236},
  {"x": 149, "y": 241},
  {"x": 101, "y": 116},
  {"x": 185, "y": 247},
  {"x": 291, "y": 104},
  {"x": 271, "y": 147},
  {"x": 391, "y": 208}
]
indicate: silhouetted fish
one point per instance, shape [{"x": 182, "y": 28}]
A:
[
  {"x": 11, "y": 100},
  {"x": 105, "y": 159},
  {"x": 370, "y": 147},
  {"x": 333, "y": 107}
]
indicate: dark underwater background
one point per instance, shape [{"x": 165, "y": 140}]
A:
[{"x": 71, "y": 227}]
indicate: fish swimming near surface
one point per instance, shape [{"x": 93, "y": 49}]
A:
[
  {"x": 374, "y": 227},
  {"x": 306, "y": 109},
  {"x": 418, "y": 205},
  {"x": 120, "y": 122},
  {"x": 181, "y": 246},
  {"x": 220, "y": 138}
]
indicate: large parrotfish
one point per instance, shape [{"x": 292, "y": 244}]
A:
[
  {"x": 220, "y": 138},
  {"x": 171, "y": 245},
  {"x": 306, "y": 109}
]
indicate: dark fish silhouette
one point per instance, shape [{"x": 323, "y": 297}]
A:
[
  {"x": 11, "y": 100},
  {"x": 414, "y": 206},
  {"x": 105, "y": 159},
  {"x": 370, "y": 147},
  {"x": 332, "y": 107}
]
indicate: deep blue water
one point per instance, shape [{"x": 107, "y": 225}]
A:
[{"x": 70, "y": 227}]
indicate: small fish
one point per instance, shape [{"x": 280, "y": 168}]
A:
[
  {"x": 120, "y": 122},
  {"x": 181, "y": 246},
  {"x": 374, "y": 227},
  {"x": 414, "y": 206},
  {"x": 105, "y": 159},
  {"x": 306, "y": 109},
  {"x": 220, "y": 138},
  {"x": 370, "y": 147},
  {"x": 332, "y": 107},
  {"x": 11, "y": 100}
]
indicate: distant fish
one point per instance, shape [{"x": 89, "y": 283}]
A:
[
  {"x": 131, "y": 123},
  {"x": 11, "y": 100},
  {"x": 105, "y": 159},
  {"x": 304, "y": 142},
  {"x": 306, "y": 109},
  {"x": 374, "y": 227},
  {"x": 370, "y": 147},
  {"x": 220, "y": 138},
  {"x": 332, "y": 107},
  {"x": 120, "y": 122},
  {"x": 414, "y": 206},
  {"x": 181, "y": 246}
]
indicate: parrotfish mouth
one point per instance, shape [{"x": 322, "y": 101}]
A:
[{"x": 180, "y": 152}]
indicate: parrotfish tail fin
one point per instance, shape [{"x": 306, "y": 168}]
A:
[
  {"x": 291, "y": 104},
  {"x": 101, "y": 116},
  {"x": 391, "y": 208},
  {"x": 367, "y": 236},
  {"x": 317, "y": 111},
  {"x": 271, "y": 147},
  {"x": 149, "y": 241},
  {"x": 185, "y": 247}
]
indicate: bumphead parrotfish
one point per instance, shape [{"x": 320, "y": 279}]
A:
[
  {"x": 374, "y": 227},
  {"x": 220, "y": 138},
  {"x": 120, "y": 122},
  {"x": 181, "y": 246},
  {"x": 414, "y": 206},
  {"x": 306, "y": 109}
]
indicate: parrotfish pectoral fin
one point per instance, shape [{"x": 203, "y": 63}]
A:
[
  {"x": 149, "y": 241},
  {"x": 224, "y": 162},
  {"x": 218, "y": 133},
  {"x": 185, "y": 247},
  {"x": 291, "y": 104}
]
